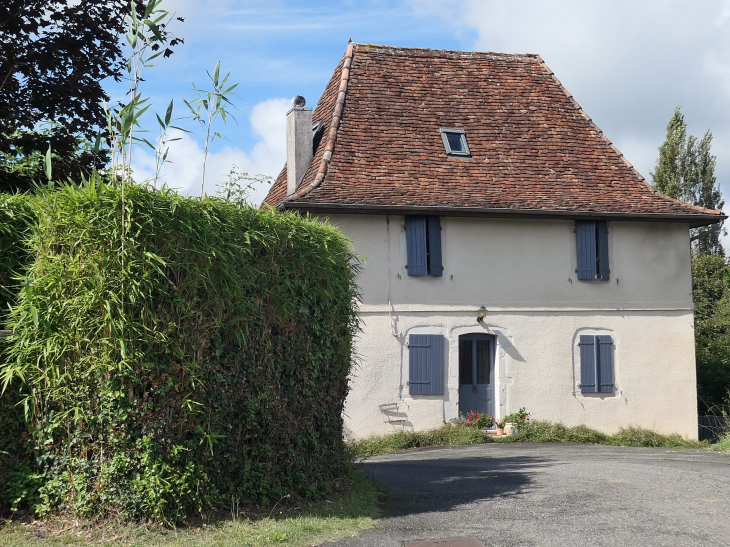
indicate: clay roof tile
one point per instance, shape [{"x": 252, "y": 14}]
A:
[{"x": 533, "y": 148}]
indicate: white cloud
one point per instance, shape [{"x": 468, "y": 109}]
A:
[{"x": 185, "y": 171}]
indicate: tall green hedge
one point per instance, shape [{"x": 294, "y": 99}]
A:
[
  {"x": 16, "y": 219},
  {"x": 180, "y": 356}
]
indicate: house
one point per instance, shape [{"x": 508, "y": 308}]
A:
[{"x": 513, "y": 256}]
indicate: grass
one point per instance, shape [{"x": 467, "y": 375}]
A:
[
  {"x": 341, "y": 516},
  {"x": 548, "y": 432},
  {"x": 404, "y": 440},
  {"x": 723, "y": 443},
  {"x": 538, "y": 432}
]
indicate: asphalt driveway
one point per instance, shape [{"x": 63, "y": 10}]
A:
[{"x": 552, "y": 494}]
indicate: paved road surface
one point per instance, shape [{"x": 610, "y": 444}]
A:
[{"x": 552, "y": 494}]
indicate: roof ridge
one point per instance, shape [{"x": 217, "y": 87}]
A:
[
  {"x": 451, "y": 51},
  {"x": 334, "y": 126},
  {"x": 612, "y": 146}
]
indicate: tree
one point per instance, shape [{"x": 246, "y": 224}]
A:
[
  {"x": 711, "y": 291},
  {"x": 685, "y": 171},
  {"x": 54, "y": 56}
]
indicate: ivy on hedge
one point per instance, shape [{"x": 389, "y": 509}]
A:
[{"x": 178, "y": 355}]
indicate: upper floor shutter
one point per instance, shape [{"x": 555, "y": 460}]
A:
[
  {"x": 416, "y": 244},
  {"x": 585, "y": 232},
  {"x": 426, "y": 364},
  {"x": 603, "y": 270},
  {"x": 435, "y": 266},
  {"x": 588, "y": 372}
]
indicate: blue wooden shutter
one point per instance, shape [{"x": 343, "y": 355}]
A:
[
  {"x": 588, "y": 371},
  {"x": 417, "y": 246},
  {"x": 435, "y": 266},
  {"x": 426, "y": 364},
  {"x": 603, "y": 269},
  {"x": 585, "y": 232},
  {"x": 605, "y": 364}
]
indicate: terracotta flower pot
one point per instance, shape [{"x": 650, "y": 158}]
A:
[{"x": 500, "y": 431}]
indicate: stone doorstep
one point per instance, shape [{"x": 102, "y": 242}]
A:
[{"x": 456, "y": 542}]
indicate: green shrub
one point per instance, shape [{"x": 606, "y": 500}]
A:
[
  {"x": 637, "y": 436},
  {"x": 16, "y": 218},
  {"x": 180, "y": 355},
  {"x": 723, "y": 443},
  {"x": 538, "y": 431},
  {"x": 403, "y": 440}
]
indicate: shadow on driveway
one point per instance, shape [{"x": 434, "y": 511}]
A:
[{"x": 427, "y": 485}]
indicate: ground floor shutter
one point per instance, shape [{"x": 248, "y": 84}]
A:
[
  {"x": 596, "y": 364},
  {"x": 588, "y": 383},
  {"x": 605, "y": 364},
  {"x": 426, "y": 364}
]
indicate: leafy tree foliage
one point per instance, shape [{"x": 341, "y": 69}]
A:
[
  {"x": 711, "y": 289},
  {"x": 685, "y": 171},
  {"x": 54, "y": 56}
]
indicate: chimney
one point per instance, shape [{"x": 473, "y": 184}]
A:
[{"x": 298, "y": 143}]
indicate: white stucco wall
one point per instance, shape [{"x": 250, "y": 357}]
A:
[{"x": 523, "y": 272}]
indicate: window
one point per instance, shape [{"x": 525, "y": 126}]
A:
[
  {"x": 592, "y": 247},
  {"x": 596, "y": 364},
  {"x": 455, "y": 142},
  {"x": 426, "y": 364},
  {"x": 423, "y": 242}
]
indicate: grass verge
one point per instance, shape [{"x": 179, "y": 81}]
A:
[
  {"x": 341, "y": 516},
  {"x": 403, "y": 440},
  {"x": 538, "y": 432},
  {"x": 548, "y": 432},
  {"x": 723, "y": 444}
]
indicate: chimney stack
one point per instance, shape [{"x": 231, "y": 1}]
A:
[{"x": 298, "y": 143}]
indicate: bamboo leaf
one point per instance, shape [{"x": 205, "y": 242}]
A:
[
  {"x": 168, "y": 114},
  {"x": 216, "y": 72},
  {"x": 47, "y": 164},
  {"x": 155, "y": 30}
]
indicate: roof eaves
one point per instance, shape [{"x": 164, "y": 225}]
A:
[
  {"x": 694, "y": 219},
  {"x": 334, "y": 126}
]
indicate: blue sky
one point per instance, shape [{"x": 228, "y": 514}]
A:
[{"x": 628, "y": 63}]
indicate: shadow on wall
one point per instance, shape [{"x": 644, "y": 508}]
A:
[
  {"x": 395, "y": 416},
  {"x": 428, "y": 485},
  {"x": 509, "y": 348}
]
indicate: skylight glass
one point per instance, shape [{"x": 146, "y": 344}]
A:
[{"x": 455, "y": 142}]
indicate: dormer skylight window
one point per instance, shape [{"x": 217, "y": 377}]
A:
[{"x": 455, "y": 142}]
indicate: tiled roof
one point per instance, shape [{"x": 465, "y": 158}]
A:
[{"x": 533, "y": 148}]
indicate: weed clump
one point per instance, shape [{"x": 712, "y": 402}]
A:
[
  {"x": 539, "y": 431},
  {"x": 403, "y": 440}
]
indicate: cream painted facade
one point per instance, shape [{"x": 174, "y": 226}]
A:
[{"x": 523, "y": 272}]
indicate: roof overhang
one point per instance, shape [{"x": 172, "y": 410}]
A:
[{"x": 694, "y": 220}]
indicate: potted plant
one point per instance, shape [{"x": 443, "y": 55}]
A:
[
  {"x": 521, "y": 420},
  {"x": 516, "y": 421},
  {"x": 500, "y": 425},
  {"x": 459, "y": 421}
]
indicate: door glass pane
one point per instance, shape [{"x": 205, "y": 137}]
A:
[
  {"x": 465, "y": 362},
  {"x": 483, "y": 361}
]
